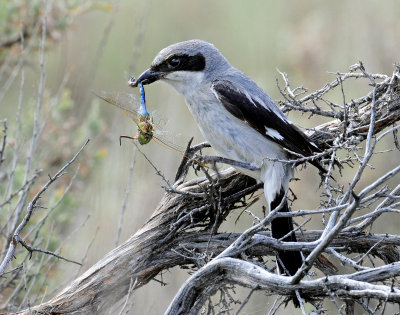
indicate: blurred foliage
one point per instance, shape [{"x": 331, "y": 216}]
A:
[
  {"x": 19, "y": 17},
  {"x": 61, "y": 134}
]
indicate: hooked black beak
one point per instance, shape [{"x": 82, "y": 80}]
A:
[{"x": 147, "y": 77}]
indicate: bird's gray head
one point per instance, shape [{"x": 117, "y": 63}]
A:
[{"x": 184, "y": 65}]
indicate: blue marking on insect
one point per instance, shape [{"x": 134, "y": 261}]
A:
[{"x": 143, "y": 110}]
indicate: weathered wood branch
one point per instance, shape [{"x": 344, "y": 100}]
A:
[
  {"x": 188, "y": 218},
  {"x": 198, "y": 288},
  {"x": 147, "y": 252}
]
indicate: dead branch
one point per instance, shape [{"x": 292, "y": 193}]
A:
[
  {"x": 16, "y": 238},
  {"x": 180, "y": 231}
]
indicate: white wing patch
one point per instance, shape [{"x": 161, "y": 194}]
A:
[
  {"x": 248, "y": 96},
  {"x": 215, "y": 93},
  {"x": 273, "y": 133},
  {"x": 314, "y": 145},
  {"x": 262, "y": 103}
]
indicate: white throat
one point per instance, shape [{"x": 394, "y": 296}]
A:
[{"x": 185, "y": 82}]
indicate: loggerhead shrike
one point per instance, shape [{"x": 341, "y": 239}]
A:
[{"x": 240, "y": 121}]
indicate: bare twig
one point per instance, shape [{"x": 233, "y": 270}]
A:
[
  {"x": 178, "y": 232},
  {"x": 31, "y": 207},
  {"x": 127, "y": 193},
  {"x": 3, "y": 142},
  {"x": 34, "y": 249}
]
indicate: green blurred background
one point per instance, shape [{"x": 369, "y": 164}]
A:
[{"x": 305, "y": 39}]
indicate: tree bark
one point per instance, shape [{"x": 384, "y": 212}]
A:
[{"x": 188, "y": 217}]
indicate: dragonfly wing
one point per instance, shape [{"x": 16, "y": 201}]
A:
[
  {"x": 161, "y": 133},
  {"x": 159, "y": 120},
  {"x": 128, "y": 103},
  {"x": 167, "y": 139}
]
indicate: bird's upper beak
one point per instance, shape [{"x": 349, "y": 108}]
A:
[{"x": 147, "y": 77}]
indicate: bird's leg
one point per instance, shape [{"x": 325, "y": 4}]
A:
[
  {"x": 219, "y": 159},
  {"x": 188, "y": 159}
]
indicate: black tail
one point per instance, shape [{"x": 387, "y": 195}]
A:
[{"x": 288, "y": 261}]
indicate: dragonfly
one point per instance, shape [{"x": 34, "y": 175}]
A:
[{"x": 149, "y": 126}]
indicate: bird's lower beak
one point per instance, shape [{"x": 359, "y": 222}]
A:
[{"x": 147, "y": 77}]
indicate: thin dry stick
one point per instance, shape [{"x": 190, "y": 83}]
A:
[
  {"x": 8, "y": 191},
  {"x": 128, "y": 190},
  {"x": 31, "y": 207},
  {"x": 131, "y": 288},
  {"x": 182, "y": 223},
  {"x": 35, "y": 136},
  {"x": 39, "y": 102}
]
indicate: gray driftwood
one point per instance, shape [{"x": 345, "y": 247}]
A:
[{"x": 188, "y": 217}]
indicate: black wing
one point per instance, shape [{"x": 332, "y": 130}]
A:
[{"x": 265, "y": 120}]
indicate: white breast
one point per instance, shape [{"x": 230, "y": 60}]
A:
[{"x": 234, "y": 139}]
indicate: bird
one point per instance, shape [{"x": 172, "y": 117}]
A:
[{"x": 241, "y": 122}]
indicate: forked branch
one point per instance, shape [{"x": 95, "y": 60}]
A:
[{"x": 183, "y": 230}]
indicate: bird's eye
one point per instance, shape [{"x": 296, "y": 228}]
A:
[{"x": 173, "y": 62}]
